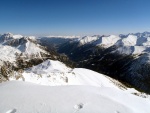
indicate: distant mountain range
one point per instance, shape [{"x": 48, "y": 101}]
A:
[
  {"x": 115, "y": 65},
  {"x": 124, "y": 57}
]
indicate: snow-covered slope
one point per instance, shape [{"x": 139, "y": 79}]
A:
[
  {"x": 68, "y": 90},
  {"x": 31, "y": 48},
  {"x": 107, "y": 41},
  {"x": 7, "y": 53},
  {"x": 130, "y": 40},
  {"x": 136, "y": 43},
  {"x": 12, "y": 46},
  {"x": 87, "y": 39},
  {"x": 131, "y": 50},
  {"x": 22, "y": 97},
  {"x": 56, "y": 73}
]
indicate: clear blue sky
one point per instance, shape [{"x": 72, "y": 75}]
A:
[{"x": 74, "y": 17}]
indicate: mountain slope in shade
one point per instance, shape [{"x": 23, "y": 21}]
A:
[{"x": 124, "y": 57}]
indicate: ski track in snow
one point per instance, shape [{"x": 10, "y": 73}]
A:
[{"x": 12, "y": 111}]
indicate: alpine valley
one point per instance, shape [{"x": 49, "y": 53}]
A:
[{"x": 72, "y": 74}]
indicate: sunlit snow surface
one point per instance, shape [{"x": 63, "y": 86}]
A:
[
  {"x": 130, "y": 44},
  {"x": 56, "y": 73},
  {"x": 66, "y": 90},
  {"x": 23, "y": 97}
]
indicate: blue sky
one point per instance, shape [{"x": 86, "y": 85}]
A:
[{"x": 74, "y": 17}]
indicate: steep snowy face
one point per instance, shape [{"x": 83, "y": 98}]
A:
[
  {"x": 87, "y": 39},
  {"x": 131, "y": 40},
  {"x": 129, "y": 50},
  {"x": 107, "y": 41},
  {"x": 137, "y": 43},
  {"x": 126, "y": 44},
  {"x": 12, "y": 46},
  {"x": 30, "y": 48},
  {"x": 8, "y": 53}
]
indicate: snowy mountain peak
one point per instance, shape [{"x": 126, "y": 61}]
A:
[
  {"x": 130, "y": 40},
  {"x": 107, "y": 41},
  {"x": 87, "y": 39},
  {"x": 8, "y": 34},
  {"x": 10, "y": 45},
  {"x": 49, "y": 66},
  {"x": 5, "y": 37}
]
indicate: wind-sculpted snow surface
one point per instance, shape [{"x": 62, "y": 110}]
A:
[
  {"x": 23, "y": 97},
  {"x": 56, "y": 73}
]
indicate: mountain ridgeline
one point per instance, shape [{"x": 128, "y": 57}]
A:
[
  {"x": 19, "y": 52},
  {"x": 42, "y": 80},
  {"x": 124, "y": 57}
]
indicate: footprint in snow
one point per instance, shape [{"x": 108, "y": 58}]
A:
[
  {"x": 78, "y": 106},
  {"x": 12, "y": 111}
]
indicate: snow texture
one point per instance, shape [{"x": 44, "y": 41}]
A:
[
  {"x": 23, "y": 97},
  {"x": 55, "y": 73}
]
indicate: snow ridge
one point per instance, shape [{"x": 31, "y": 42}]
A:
[
  {"x": 137, "y": 43},
  {"x": 55, "y": 73}
]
